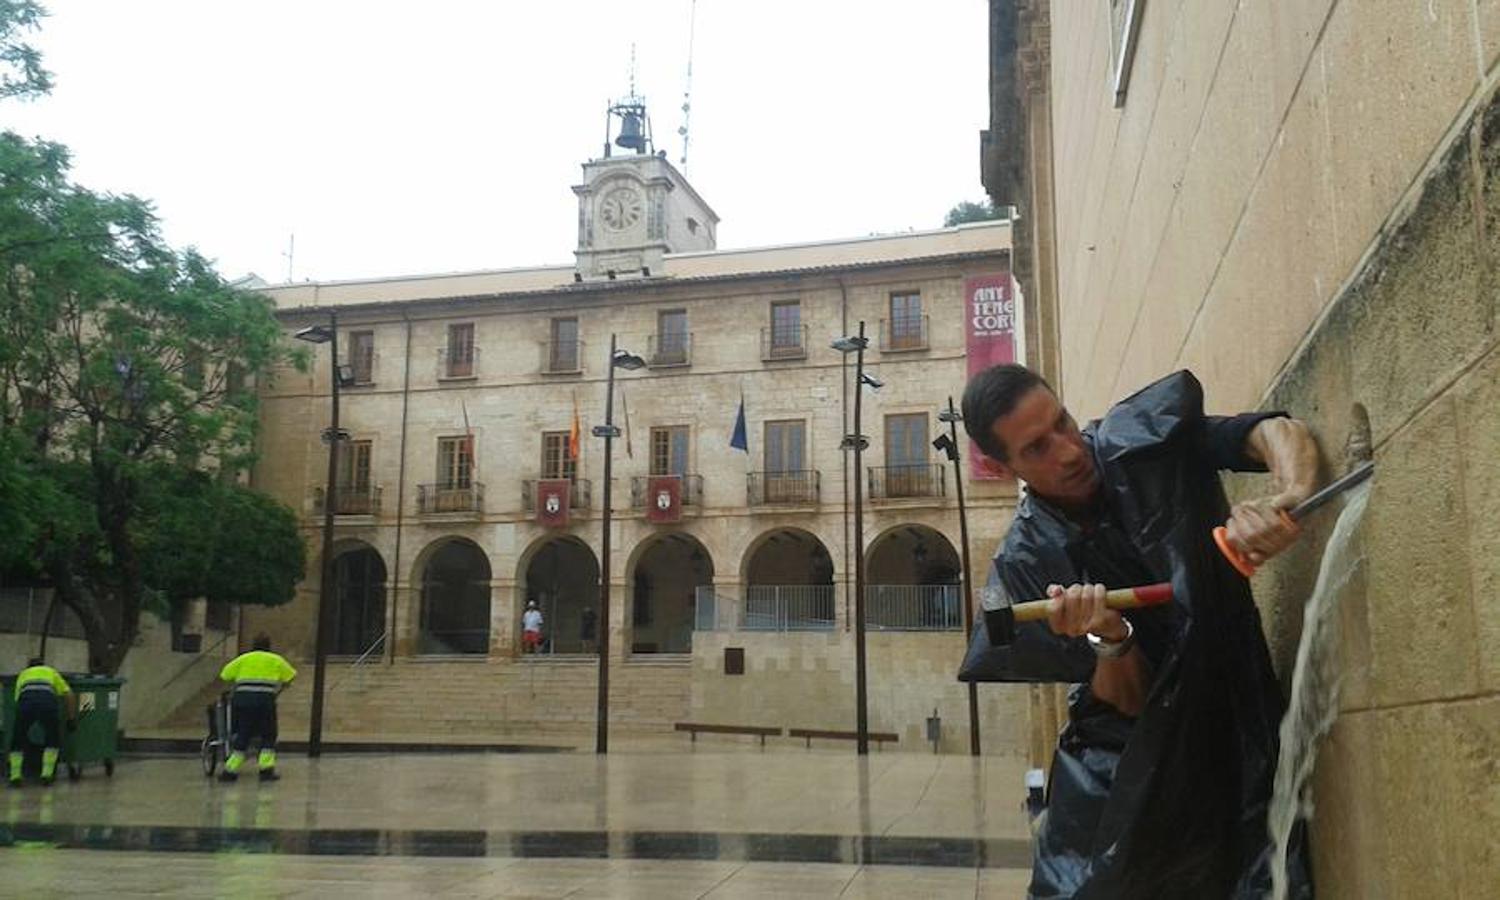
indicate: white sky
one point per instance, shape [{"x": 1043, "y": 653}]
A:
[{"x": 405, "y": 138}]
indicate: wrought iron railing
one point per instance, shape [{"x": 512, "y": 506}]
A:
[
  {"x": 580, "y": 496},
  {"x": 799, "y": 488},
  {"x": 914, "y": 607},
  {"x": 692, "y": 490},
  {"x": 672, "y": 348},
  {"x": 562, "y": 357},
  {"x": 450, "y": 498},
  {"x": 903, "y": 333},
  {"x": 356, "y": 500},
  {"x": 783, "y": 343},
  {"x": 901, "y": 482},
  {"x": 787, "y": 607},
  {"x": 457, "y": 363}
]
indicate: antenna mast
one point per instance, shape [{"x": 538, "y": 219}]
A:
[{"x": 687, "y": 90}]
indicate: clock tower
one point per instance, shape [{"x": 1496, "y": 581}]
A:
[{"x": 634, "y": 207}]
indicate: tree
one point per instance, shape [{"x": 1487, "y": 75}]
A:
[
  {"x": 120, "y": 358},
  {"x": 967, "y": 211},
  {"x": 21, "y": 72},
  {"x": 202, "y": 537}
]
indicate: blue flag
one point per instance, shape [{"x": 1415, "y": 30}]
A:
[{"x": 738, "y": 440}]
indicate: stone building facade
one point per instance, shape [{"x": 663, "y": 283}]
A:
[
  {"x": 1297, "y": 201},
  {"x": 464, "y": 493}
]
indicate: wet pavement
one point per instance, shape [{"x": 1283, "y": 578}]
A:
[{"x": 661, "y": 823}]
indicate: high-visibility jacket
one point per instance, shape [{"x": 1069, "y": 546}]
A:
[
  {"x": 258, "y": 672},
  {"x": 41, "y": 680}
]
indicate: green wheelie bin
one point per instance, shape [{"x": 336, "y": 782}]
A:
[{"x": 96, "y": 739}]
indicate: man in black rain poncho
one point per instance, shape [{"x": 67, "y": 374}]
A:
[{"x": 1161, "y": 778}]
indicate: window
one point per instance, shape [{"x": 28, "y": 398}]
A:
[
  {"x": 669, "y": 450},
  {"x": 461, "y": 350},
  {"x": 354, "y": 466},
  {"x": 671, "y": 337},
  {"x": 455, "y": 462},
  {"x": 563, "y": 355},
  {"x": 362, "y": 356},
  {"x": 906, "y": 321},
  {"x": 907, "y": 473},
  {"x": 785, "y": 446},
  {"x": 906, "y": 440},
  {"x": 556, "y": 463},
  {"x": 786, "y": 326}
]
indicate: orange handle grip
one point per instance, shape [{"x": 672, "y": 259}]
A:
[{"x": 1236, "y": 559}]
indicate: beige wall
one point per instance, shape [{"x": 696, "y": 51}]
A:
[{"x": 1297, "y": 201}]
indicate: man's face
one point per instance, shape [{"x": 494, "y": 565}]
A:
[{"x": 1046, "y": 449}]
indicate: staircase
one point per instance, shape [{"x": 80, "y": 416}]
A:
[{"x": 461, "y": 700}]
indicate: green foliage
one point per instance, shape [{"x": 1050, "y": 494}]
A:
[
  {"x": 967, "y": 211},
  {"x": 127, "y": 403},
  {"x": 21, "y": 72}
]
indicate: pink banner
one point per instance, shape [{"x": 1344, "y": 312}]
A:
[{"x": 990, "y": 330}]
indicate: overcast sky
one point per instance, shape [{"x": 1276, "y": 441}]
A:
[{"x": 443, "y": 136}]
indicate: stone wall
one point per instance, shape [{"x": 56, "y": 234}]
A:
[{"x": 1298, "y": 201}]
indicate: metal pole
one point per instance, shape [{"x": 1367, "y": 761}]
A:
[
  {"x": 330, "y": 503},
  {"x": 861, "y": 710},
  {"x": 601, "y": 720},
  {"x": 963, "y": 536}
]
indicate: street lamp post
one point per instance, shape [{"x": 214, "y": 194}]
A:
[
  {"x": 857, "y": 442},
  {"x": 623, "y": 360},
  {"x": 948, "y": 443},
  {"x": 325, "y": 334}
]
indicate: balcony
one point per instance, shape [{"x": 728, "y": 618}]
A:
[
  {"x": 458, "y": 363},
  {"x": 787, "y": 607},
  {"x": 441, "y": 499},
  {"x": 692, "y": 490},
  {"x": 580, "y": 497},
  {"x": 350, "y": 500},
  {"x": 906, "y": 482},
  {"x": 903, "y": 334},
  {"x": 783, "y": 343},
  {"x": 664, "y": 351},
  {"x": 792, "y": 488},
  {"x": 562, "y": 357}
]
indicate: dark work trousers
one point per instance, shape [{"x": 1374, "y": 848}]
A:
[
  {"x": 37, "y": 708},
  {"x": 254, "y": 715}
]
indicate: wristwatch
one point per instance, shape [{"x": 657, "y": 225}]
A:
[{"x": 1106, "y": 649}]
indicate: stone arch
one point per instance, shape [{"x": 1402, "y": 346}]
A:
[
  {"x": 666, "y": 572},
  {"x": 359, "y": 591},
  {"x": 454, "y": 600},
  {"x": 912, "y": 580},
  {"x": 787, "y": 582},
  {"x": 560, "y": 573}
]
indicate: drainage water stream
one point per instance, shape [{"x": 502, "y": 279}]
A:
[{"x": 1315, "y": 685}]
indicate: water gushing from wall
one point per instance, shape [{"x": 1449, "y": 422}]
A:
[{"x": 1315, "y": 685}]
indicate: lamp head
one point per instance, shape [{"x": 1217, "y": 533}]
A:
[{"x": 315, "y": 334}]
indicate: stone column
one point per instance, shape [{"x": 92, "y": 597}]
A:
[{"x": 504, "y": 619}]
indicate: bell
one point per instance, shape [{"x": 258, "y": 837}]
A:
[{"x": 631, "y": 137}]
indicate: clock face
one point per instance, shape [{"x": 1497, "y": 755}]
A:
[{"x": 620, "y": 209}]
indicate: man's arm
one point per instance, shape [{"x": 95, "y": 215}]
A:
[
  {"x": 1122, "y": 682},
  {"x": 1287, "y": 448}
]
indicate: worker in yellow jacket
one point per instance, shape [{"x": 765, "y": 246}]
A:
[
  {"x": 257, "y": 677},
  {"x": 40, "y": 695}
]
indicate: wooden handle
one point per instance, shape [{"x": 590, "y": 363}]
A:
[{"x": 1119, "y": 598}]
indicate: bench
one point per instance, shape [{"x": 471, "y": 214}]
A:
[
  {"x": 807, "y": 734},
  {"x": 694, "y": 728}
]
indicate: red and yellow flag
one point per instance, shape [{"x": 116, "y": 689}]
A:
[{"x": 573, "y": 433}]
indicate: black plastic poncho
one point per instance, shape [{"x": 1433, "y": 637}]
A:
[{"x": 1171, "y": 804}]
